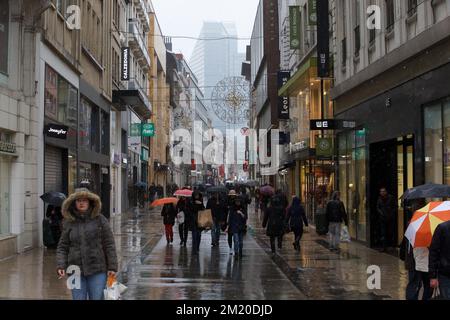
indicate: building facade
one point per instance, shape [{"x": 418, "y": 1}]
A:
[{"x": 392, "y": 83}]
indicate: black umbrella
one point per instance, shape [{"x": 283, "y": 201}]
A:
[
  {"x": 54, "y": 198},
  {"x": 429, "y": 190},
  {"x": 219, "y": 189}
]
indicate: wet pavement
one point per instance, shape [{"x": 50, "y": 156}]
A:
[{"x": 154, "y": 270}]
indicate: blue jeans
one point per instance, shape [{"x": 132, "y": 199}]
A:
[
  {"x": 215, "y": 233},
  {"x": 238, "y": 239},
  {"x": 444, "y": 287},
  {"x": 91, "y": 287},
  {"x": 416, "y": 280}
]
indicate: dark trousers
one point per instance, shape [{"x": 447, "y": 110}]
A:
[
  {"x": 238, "y": 242},
  {"x": 183, "y": 231},
  {"x": 196, "y": 238},
  {"x": 386, "y": 233},
  {"x": 230, "y": 240},
  {"x": 298, "y": 233},
  {"x": 272, "y": 242},
  {"x": 416, "y": 280},
  {"x": 444, "y": 287}
]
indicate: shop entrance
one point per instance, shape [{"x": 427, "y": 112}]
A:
[{"x": 392, "y": 167}]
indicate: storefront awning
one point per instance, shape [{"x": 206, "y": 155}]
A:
[{"x": 300, "y": 79}]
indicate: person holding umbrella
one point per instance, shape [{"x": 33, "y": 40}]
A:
[{"x": 169, "y": 213}]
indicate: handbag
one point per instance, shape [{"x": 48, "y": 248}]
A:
[{"x": 205, "y": 220}]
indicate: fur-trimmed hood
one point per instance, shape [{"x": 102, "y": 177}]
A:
[{"x": 67, "y": 206}]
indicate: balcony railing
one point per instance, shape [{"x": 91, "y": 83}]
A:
[
  {"x": 143, "y": 10},
  {"x": 137, "y": 44}
]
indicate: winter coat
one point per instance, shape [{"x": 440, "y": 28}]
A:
[
  {"x": 274, "y": 220},
  {"x": 335, "y": 212},
  {"x": 169, "y": 213},
  {"x": 87, "y": 240},
  {"x": 386, "y": 208},
  {"x": 296, "y": 217},
  {"x": 218, "y": 210},
  {"x": 237, "y": 222},
  {"x": 440, "y": 251},
  {"x": 192, "y": 216}
]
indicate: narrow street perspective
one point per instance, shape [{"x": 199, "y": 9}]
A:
[{"x": 208, "y": 150}]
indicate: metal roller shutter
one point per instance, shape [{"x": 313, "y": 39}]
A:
[{"x": 53, "y": 169}]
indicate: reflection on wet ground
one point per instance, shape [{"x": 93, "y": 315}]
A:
[{"x": 154, "y": 270}]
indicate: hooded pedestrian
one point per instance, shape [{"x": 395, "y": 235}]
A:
[
  {"x": 274, "y": 218},
  {"x": 169, "y": 214},
  {"x": 88, "y": 243},
  {"x": 336, "y": 215},
  {"x": 237, "y": 221},
  {"x": 296, "y": 218}
]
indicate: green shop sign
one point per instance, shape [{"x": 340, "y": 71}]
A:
[
  {"x": 148, "y": 130},
  {"x": 324, "y": 147},
  {"x": 294, "y": 25},
  {"x": 312, "y": 12}
]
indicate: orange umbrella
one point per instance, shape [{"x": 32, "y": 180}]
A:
[
  {"x": 163, "y": 201},
  {"x": 425, "y": 221}
]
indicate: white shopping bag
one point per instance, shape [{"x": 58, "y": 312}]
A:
[
  {"x": 114, "y": 291},
  {"x": 180, "y": 217},
  {"x": 345, "y": 235}
]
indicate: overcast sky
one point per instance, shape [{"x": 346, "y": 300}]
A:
[{"x": 185, "y": 18}]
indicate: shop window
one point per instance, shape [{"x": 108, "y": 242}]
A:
[
  {"x": 433, "y": 144},
  {"x": 4, "y": 35},
  {"x": 61, "y": 99},
  {"x": 447, "y": 142},
  {"x": 85, "y": 124},
  {"x": 95, "y": 130},
  {"x": 105, "y": 133}
]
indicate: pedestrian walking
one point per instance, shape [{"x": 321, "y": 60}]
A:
[
  {"x": 196, "y": 205},
  {"x": 183, "y": 220},
  {"x": 169, "y": 214},
  {"x": 439, "y": 261},
  {"x": 386, "y": 209},
  {"x": 237, "y": 221},
  {"x": 336, "y": 215},
  {"x": 296, "y": 218},
  {"x": 232, "y": 195},
  {"x": 274, "y": 218},
  {"x": 55, "y": 219},
  {"x": 88, "y": 243},
  {"x": 152, "y": 192},
  {"x": 257, "y": 201},
  {"x": 218, "y": 211}
]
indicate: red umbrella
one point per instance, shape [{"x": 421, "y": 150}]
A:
[
  {"x": 163, "y": 201},
  {"x": 183, "y": 193}
]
